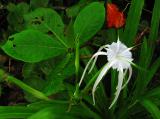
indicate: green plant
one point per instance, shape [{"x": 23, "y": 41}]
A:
[{"x": 52, "y": 53}]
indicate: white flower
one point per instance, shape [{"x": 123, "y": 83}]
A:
[{"x": 120, "y": 58}]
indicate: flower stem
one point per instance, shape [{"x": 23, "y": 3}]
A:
[
  {"x": 77, "y": 58},
  {"x": 77, "y": 64}
]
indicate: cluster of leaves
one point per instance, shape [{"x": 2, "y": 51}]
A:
[{"x": 51, "y": 51}]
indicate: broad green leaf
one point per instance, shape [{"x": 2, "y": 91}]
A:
[
  {"x": 69, "y": 34},
  {"x": 151, "y": 108},
  {"x": 15, "y": 112},
  {"x": 38, "y": 3},
  {"x": 46, "y": 20},
  {"x": 132, "y": 22},
  {"x": 89, "y": 21},
  {"x": 32, "y": 46},
  {"x": 73, "y": 11}
]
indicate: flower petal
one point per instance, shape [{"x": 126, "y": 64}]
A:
[
  {"x": 95, "y": 55},
  {"x": 130, "y": 74},
  {"x": 99, "y": 78},
  {"x": 94, "y": 62},
  {"x": 119, "y": 87}
]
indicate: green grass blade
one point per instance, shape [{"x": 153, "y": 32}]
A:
[
  {"x": 154, "y": 28},
  {"x": 151, "y": 108},
  {"x": 141, "y": 74},
  {"x": 153, "y": 93},
  {"x": 133, "y": 21},
  {"x": 147, "y": 52},
  {"x": 153, "y": 69}
]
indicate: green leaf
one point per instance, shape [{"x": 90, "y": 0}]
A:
[
  {"x": 89, "y": 21},
  {"x": 59, "y": 110},
  {"x": 38, "y": 3},
  {"x": 32, "y": 46},
  {"x": 43, "y": 104},
  {"x": 152, "y": 71},
  {"x": 51, "y": 113},
  {"x": 142, "y": 63},
  {"x": 36, "y": 83},
  {"x": 147, "y": 52},
  {"x": 151, "y": 108},
  {"x": 15, "y": 112},
  {"x": 46, "y": 20},
  {"x": 73, "y": 11},
  {"x": 155, "y": 92},
  {"x": 69, "y": 34},
  {"x": 134, "y": 15},
  {"x": 63, "y": 70},
  {"x": 27, "y": 88},
  {"x": 154, "y": 29},
  {"x": 155, "y": 22}
]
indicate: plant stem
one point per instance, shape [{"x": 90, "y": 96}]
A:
[
  {"x": 34, "y": 92},
  {"x": 77, "y": 64},
  {"x": 77, "y": 59}
]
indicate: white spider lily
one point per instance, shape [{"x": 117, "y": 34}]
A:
[{"x": 120, "y": 58}]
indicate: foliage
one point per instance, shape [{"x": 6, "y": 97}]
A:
[{"x": 53, "y": 46}]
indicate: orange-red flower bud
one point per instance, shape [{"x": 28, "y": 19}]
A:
[{"x": 115, "y": 18}]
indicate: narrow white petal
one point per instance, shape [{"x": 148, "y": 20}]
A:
[
  {"x": 96, "y": 56},
  {"x": 94, "y": 62},
  {"x": 130, "y": 74},
  {"x": 119, "y": 87},
  {"x": 84, "y": 72},
  {"x": 126, "y": 50},
  {"x": 99, "y": 78}
]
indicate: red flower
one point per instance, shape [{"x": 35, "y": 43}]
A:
[{"x": 115, "y": 18}]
